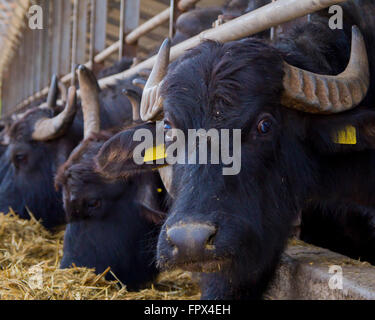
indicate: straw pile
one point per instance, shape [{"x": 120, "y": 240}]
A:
[{"x": 29, "y": 261}]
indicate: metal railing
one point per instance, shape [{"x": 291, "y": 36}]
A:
[
  {"x": 63, "y": 43},
  {"x": 253, "y": 22}
]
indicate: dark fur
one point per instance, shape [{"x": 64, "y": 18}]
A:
[
  {"x": 348, "y": 230},
  {"x": 235, "y": 85},
  {"x": 120, "y": 66},
  {"x": 111, "y": 162},
  {"x": 197, "y": 20},
  {"x": 120, "y": 232},
  {"x": 194, "y": 22}
]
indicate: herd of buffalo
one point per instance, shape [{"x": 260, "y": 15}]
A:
[{"x": 298, "y": 100}]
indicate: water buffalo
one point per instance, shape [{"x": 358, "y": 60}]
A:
[
  {"x": 120, "y": 66},
  {"x": 346, "y": 229},
  {"x": 306, "y": 134},
  {"x": 42, "y": 140},
  {"x": 110, "y": 222},
  {"x": 197, "y": 20}
]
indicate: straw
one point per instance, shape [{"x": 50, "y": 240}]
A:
[{"x": 29, "y": 270}]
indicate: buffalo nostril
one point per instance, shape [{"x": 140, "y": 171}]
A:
[
  {"x": 210, "y": 241},
  {"x": 191, "y": 240}
]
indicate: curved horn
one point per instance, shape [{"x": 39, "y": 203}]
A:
[
  {"x": 315, "y": 93},
  {"x": 52, "y": 93},
  {"x": 63, "y": 91},
  {"x": 151, "y": 104},
  {"x": 51, "y": 128},
  {"x": 90, "y": 100},
  {"x": 134, "y": 99}
]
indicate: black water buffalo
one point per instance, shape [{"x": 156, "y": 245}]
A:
[
  {"x": 110, "y": 222},
  {"x": 346, "y": 229},
  {"x": 197, "y": 20},
  {"x": 305, "y": 136},
  {"x": 194, "y": 22},
  {"x": 37, "y": 142},
  {"x": 120, "y": 66},
  {"x": 41, "y": 141}
]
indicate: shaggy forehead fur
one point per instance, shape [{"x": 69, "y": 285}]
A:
[
  {"x": 222, "y": 83},
  {"x": 22, "y": 129},
  {"x": 80, "y": 166}
]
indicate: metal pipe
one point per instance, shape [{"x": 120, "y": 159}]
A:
[
  {"x": 121, "y": 36},
  {"x": 259, "y": 20},
  {"x": 74, "y": 43},
  {"x": 92, "y": 32},
  {"x": 256, "y": 21},
  {"x": 272, "y": 30},
  {"x": 156, "y": 21},
  {"x": 172, "y": 14}
]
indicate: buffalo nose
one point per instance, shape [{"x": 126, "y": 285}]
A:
[{"x": 191, "y": 240}]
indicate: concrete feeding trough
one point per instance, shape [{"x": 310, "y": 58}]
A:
[{"x": 311, "y": 273}]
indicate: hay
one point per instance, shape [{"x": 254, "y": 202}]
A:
[{"x": 29, "y": 261}]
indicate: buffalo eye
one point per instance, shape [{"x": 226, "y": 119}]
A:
[
  {"x": 167, "y": 125},
  {"x": 168, "y": 131},
  {"x": 94, "y": 204},
  {"x": 19, "y": 159},
  {"x": 264, "y": 126}
]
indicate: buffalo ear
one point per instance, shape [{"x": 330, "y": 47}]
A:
[
  {"x": 347, "y": 132},
  {"x": 152, "y": 216},
  {"x": 115, "y": 157}
]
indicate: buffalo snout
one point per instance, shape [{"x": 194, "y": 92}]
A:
[{"x": 191, "y": 242}]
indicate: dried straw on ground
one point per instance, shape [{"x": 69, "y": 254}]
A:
[{"x": 29, "y": 261}]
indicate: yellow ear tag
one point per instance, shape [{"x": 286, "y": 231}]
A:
[
  {"x": 346, "y": 136},
  {"x": 155, "y": 153}
]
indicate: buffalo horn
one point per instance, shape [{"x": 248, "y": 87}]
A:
[
  {"x": 325, "y": 94},
  {"x": 152, "y": 104},
  {"x": 51, "y": 128},
  {"x": 90, "y": 100}
]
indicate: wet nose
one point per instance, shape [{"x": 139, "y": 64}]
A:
[{"x": 191, "y": 241}]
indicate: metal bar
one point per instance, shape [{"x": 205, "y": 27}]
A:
[
  {"x": 31, "y": 74},
  {"x": 100, "y": 25},
  {"x": 38, "y": 45},
  {"x": 65, "y": 56},
  {"x": 129, "y": 20},
  {"x": 82, "y": 31},
  {"x": 11, "y": 77},
  {"x": 4, "y": 95},
  {"x": 18, "y": 78},
  {"x": 18, "y": 83},
  {"x": 156, "y": 21},
  {"x": 272, "y": 30},
  {"x": 33, "y": 61},
  {"x": 38, "y": 58},
  {"x": 251, "y": 23},
  {"x": 57, "y": 11},
  {"x": 46, "y": 61},
  {"x": 23, "y": 68},
  {"x": 74, "y": 41},
  {"x": 92, "y": 32},
  {"x": 122, "y": 28},
  {"x": 28, "y": 63},
  {"x": 262, "y": 19},
  {"x": 172, "y": 17}
]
